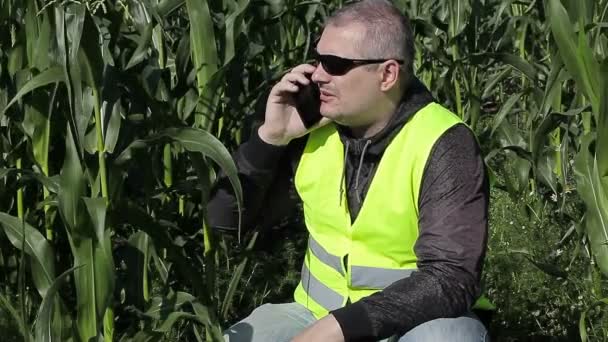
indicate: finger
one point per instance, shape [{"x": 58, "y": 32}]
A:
[
  {"x": 304, "y": 69},
  {"x": 296, "y": 78},
  {"x": 285, "y": 86}
]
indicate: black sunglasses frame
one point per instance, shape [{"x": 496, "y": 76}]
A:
[{"x": 338, "y": 66}]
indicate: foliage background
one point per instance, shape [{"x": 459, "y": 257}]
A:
[{"x": 116, "y": 115}]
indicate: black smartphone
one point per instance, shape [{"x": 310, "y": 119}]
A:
[{"x": 308, "y": 104}]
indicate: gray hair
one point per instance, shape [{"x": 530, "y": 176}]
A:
[{"x": 388, "y": 32}]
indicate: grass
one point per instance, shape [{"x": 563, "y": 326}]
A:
[{"x": 536, "y": 274}]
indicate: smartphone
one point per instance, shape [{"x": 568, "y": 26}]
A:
[{"x": 308, "y": 104}]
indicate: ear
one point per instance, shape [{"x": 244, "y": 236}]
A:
[{"x": 389, "y": 75}]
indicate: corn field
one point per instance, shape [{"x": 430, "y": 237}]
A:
[{"x": 115, "y": 116}]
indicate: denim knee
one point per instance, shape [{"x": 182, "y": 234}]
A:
[{"x": 466, "y": 328}]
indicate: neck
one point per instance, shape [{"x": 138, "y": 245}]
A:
[{"x": 382, "y": 117}]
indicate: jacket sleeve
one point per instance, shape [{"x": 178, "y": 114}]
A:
[
  {"x": 451, "y": 246},
  {"x": 265, "y": 172}
]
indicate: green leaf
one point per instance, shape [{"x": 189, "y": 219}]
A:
[
  {"x": 577, "y": 56},
  {"x": 69, "y": 22},
  {"x": 14, "y": 314},
  {"x": 161, "y": 306},
  {"x": 595, "y": 195},
  {"x": 582, "y": 326},
  {"x": 113, "y": 129},
  {"x": 602, "y": 128},
  {"x": 73, "y": 187},
  {"x": 234, "y": 23},
  {"x": 165, "y": 7},
  {"x": 490, "y": 85},
  {"x": 173, "y": 317},
  {"x": 196, "y": 140},
  {"x": 37, "y": 126},
  {"x": 48, "y": 76},
  {"x": 544, "y": 171},
  {"x": 141, "y": 52},
  {"x": 236, "y": 278},
  {"x": 16, "y": 60},
  {"x": 43, "y": 326},
  {"x": 205, "y": 58},
  {"x": 547, "y": 125},
  {"x": 504, "y": 111},
  {"x": 125, "y": 212},
  {"x": 51, "y": 183},
  {"x": 82, "y": 235},
  {"x": 103, "y": 263},
  {"x": 137, "y": 263},
  {"x": 193, "y": 140},
  {"x": 459, "y": 11},
  {"x": 36, "y": 246},
  {"x": 518, "y": 63}
]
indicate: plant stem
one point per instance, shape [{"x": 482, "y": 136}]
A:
[
  {"x": 45, "y": 192},
  {"x": 20, "y": 210},
  {"x": 457, "y": 92},
  {"x": 100, "y": 146},
  {"x": 167, "y": 166},
  {"x": 108, "y": 318}
]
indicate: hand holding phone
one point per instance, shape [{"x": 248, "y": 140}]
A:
[
  {"x": 308, "y": 103},
  {"x": 292, "y": 108}
]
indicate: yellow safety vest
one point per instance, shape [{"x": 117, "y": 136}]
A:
[{"x": 379, "y": 244}]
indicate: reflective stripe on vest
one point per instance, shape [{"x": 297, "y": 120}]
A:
[
  {"x": 321, "y": 254},
  {"x": 361, "y": 276},
  {"x": 375, "y": 277},
  {"x": 320, "y": 293}
]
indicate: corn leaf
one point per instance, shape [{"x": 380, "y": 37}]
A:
[
  {"x": 582, "y": 325},
  {"x": 138, "y": 262},
  {"x": 193, "y": 140},
  {"x": 504, "y": 111},
  {"x": 595, "y": 196},
  {"x": 124, "y": 212},
  {"x": 43, "y": 326},
  {"x": 48, "y": 76},
  {"x": 104, "y": 262},
  {"x": 141, "y": 52},
  {"x": 14, "y": 314},
  {"x": 36, "y": 246},
  {"x": 577, "y": 56},
  {"x": 166, "y": 7},
  {"x": 234, "y": 24},
  {"x": 50, "y": 183},
  {"x": 204, "y": 55},
  {"x": 81, "y": 237},
  {"x": 602, "y": 128},
  {"x": 236, "y": 278}
]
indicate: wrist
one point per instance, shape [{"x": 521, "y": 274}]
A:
[{"x": 266, "y": 135}]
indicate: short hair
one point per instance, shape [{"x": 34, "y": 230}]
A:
[{"x": 388, "y": 33}]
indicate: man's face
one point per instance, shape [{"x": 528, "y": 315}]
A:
[{"x": 348, "y": 99}]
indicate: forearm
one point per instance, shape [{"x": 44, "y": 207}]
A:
[{"x": 424, "y": 296}]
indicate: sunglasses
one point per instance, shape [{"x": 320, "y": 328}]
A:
[{"x": 338, "y": 66}]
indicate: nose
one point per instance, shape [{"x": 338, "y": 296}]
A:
[{"x": 320, "y": 76}]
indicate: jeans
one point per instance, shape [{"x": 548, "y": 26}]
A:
[{"x": 282, "y": 322}]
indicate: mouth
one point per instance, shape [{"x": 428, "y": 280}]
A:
[{"x": 325, "y": 95}]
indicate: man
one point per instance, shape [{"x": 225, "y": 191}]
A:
[{"x": 394, "y": 193}]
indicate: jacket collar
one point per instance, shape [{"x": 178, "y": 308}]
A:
[{"x": 415, "y": 97}]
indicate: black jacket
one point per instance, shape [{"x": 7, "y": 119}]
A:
[{"x": 453, "y": 207}]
